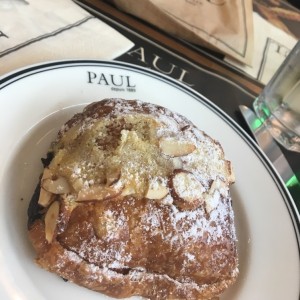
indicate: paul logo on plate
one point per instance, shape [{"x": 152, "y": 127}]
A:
[{"x": 115, "y": 82}]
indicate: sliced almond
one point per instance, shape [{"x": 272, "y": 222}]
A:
[
  {"x": 112, "y": 176},
  {"x": 231, "y": 177},
  {"x": 67, "y": 205},
  {"x": 211, "y": 203},
  {"x": 217, "y": 185},
  {"x": 156, "y": 192},
  {"x": 45, "y": 198},
  {"x": 59, "y": 185},
  {"x": 212, "y": 200},
  {"x": 47, "y": 174},
  {"x": 187, "y": 190},
  {"x": 51, "y": 218},
  {"x": 173, "y": 147},
  {"x": 78, "y": 184},
  {"x": 99, "y": 192},
  {"x": 177, "y": 163},
  {"x": 128, "y": 190}
]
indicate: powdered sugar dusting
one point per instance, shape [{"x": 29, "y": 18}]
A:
[{"x": 128, "y": 234}]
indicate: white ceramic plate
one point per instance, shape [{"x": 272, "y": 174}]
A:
[{"x": 36, "y": 101}]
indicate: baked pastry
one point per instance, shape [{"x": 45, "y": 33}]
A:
[{"x": 135, "y": 201}]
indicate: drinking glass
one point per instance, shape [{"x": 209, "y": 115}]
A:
[{"x": 278, "y": 106}]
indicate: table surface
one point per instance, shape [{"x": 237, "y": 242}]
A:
[{"x": 203, "y": 69}]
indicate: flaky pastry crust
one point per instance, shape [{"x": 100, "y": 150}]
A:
[{"x": 135, "y": 201}]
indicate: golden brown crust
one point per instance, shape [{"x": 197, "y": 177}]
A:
[
  {"x": 69, "y": 265},
  {"x": 167, "y": 234}
]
